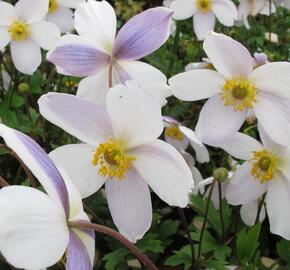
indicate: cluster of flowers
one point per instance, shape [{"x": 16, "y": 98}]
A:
[{"x": 116, "y": 115}]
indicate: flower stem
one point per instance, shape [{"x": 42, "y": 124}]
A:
[
  {"x": 175, "y": 48},
  {"x": 221, "y": 211},
  {"x": 260, "y": 209},
  {"x": 3, "y": 182},
  {"x": 108, "y": 231}
]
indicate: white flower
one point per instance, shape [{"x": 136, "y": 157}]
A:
[
  {"x": 267, "y": 169},
  {"x": 180, "y": 136},
  {"x": 34, "y": 225},
  {"x": 121, "y": 150},
  {"x": 60, "y": 13},
  {"x": 204, "y": 13},
  {"x": 23, "y": 27},
  {"x": 235, "y": 89},
  {"x": 205, "y": 64}
]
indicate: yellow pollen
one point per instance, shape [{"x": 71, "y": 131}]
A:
[
  {"x": 53, "y": 6},
  {"x": 239, "y": 93},
  {"x": 174, "y": 133},
  {"x": 112, "y": 159},
  {"x": 264, "y": 165},
  {"x": 19, "y": 31},
  {"x": 204, "y": 6}
]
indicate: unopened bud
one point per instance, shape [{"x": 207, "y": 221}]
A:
[
  {"x": 221, "y": 174},
  {"x": 23, "y": 88}
]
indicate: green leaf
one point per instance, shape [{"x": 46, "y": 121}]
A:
[
  {"x": 214, "y": 265},
  {"x": 181, "y": 257},
  {"x": 36, "y": 82},
  {"x": 283, "y": 249},
  {"x": 115, "y": 258},
  {"x": 247, "y": 243},
  {"x": 167, "y": 229},
  {"x": 150, "y": 243}
]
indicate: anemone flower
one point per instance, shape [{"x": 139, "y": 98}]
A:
[
  {"x": 235, "y": 89},
  {"x": 34, "y": 225},
  {"x": 23, "y": 26},
  {"x": 107, "y": 59},
  {"x": 204, "y": 13},
  {"x": 120, "y": 150}
]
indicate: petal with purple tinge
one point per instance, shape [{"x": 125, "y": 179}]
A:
[
  {"x": 143, "y": 34},
  {"x": 81, "y": 118},
  {"x": 39, "y": 163},
  {"x": 226, "y": 12}
]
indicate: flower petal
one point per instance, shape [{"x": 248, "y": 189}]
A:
[
  {"x": 243, "y": 187},
  {"x": 80, "y": 170},
  {"x": 273, "y": 114},
  {"x": 218, "y": 123},
  {"x": 5, "y": 37},
  {"x": 226, "y": 11},
  {"x": 96, "y": 20},
  {"x": 249, "y": 213},
  {"x": 183, "y": 9},
  {"x": 178, "y": 144},
  {"x": 201, "y": 152},
  {"x": 273, "y": 78},
  {"x": 135, "y": 115},
  {"x": 203, "y": 23},
  {"x": 82, "y": 119},
  {"x": 196, "y": 84},
  {"x": 130, "y": 205},
  {"x": 34, "y": 229},
  {"x": 63, "y": 18},
  {"x": 31, "y": 11},
  {"x": 26, "y": 56},
  {"x": 241, "y": 146},
  {"x": 45, "y": 34},
  {"x": 228, "y": 56},
  {"x": 39, "y": 163},
  {"x": 70, "y": 3},
  {"x": 277, "y": 204},
  {"x": 8, "y": 14},
  {"x": 143, "y": 34},
  {"x": 172, "y": 184}
]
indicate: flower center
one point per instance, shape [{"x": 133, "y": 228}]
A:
[
  {"x": 264, "y": 165},
  {"x": 174, "y": 133},
  {"x": 204, "y": 6},
  {"x": 239, "y": 93},
  {"x": 112, "y": 159},
  {"x": 19, "y": 31},
  {"x": 53, "y": 6}
]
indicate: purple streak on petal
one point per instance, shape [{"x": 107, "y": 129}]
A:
[
  {"x": 170, "y": 120},
  {"x": 79, "y": 60},
  {"x": 121, "y": 75},
  {"x": 143, "y": 34},
  {"x": 77, "y": 254},
  {"x": 48, "y": 167}
]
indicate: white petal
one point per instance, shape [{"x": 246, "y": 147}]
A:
[
  {"x": 31, "y": 11},
  {"x": 135, "y": 115},
  {"x": 97, "y": 21},
  {"x": 76, "y": 160},
  {"x": 266, "y": 9},
  {"x": 226, "y": 12},
  {"x": 196, "y": 84},
  {"x": 201, "y": 151},
  {"x": 277, "y": 204},
  {"x": 228, "y": 56},
  {"x": 63, "y": 18},
  {"x": 241, "y": 146},
  {"x": 249, "y": 213},
  {"x": 34, "y": 228},
  {"x": 70, "y": 3},
  {"x": 4, "y": 37},
  {"x": 183, "y": 9},
  {"x": 273, "y": 114},
  {"x": 26, "y": 56},
  {"x": 178, "y": 144},
  {"x": 218, "y": 123},
  {"x": 243, "y": 187},
  {"x": 130, "y": 205},
  {"x": 273, "y": 78},
  {"x": 203, "y": 23},
  {"x": 45, "y": 34},
  {"x": 95, "y": 87},
  {"x": 8, "y": 14},
  {"x": 172, "y": 184},
  {"x": 82, "y": 119}
]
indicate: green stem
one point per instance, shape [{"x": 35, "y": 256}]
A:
[
  {"x": 221, "y": 211},
  {"x": 175, "y": 48},
  {"x": 260, "y": 209}
]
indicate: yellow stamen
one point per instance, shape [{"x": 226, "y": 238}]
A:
[
  {"x": 19, "y": 31},
  {"x": 53, "y": 6},
  {"x": 204, "y": 6},
  {"x": 174, "y": 133},
  {"x": 264, "y": 165},
  {"x": 239, "y": 93},
  {"x": 112, "y": 159}
]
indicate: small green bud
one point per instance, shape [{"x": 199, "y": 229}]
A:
[
  {"x": 23, "y": 88},
  {"x": 221, "y": 174}
]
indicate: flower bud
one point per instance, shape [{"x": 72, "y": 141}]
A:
[
  {"x": 23, "y": 88},
  {"x": 221, "y": 174}
]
